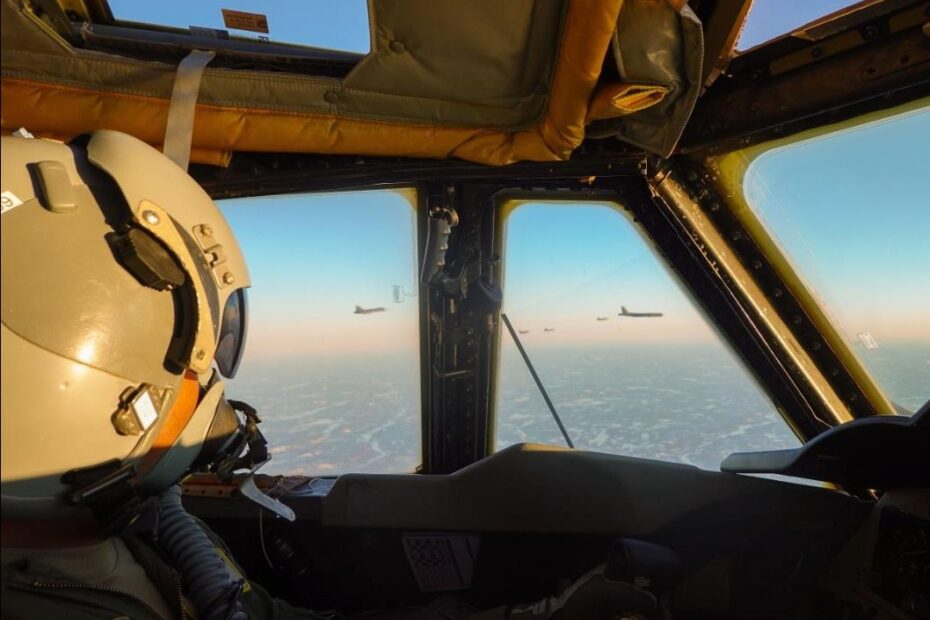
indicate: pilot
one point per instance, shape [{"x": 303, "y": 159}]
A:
[{"x": 123, "y": 307}]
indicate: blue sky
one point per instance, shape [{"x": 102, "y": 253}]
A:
[
  {"x": 313, "y": 258},
  {"x": 771, "y": 18},
  {"x": 332, "y": 24},
  {"x": 852, "y": 210},
  {"x": 566, "y": 264}
]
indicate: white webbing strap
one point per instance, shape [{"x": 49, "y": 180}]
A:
[{"x": 180, "y": 128}]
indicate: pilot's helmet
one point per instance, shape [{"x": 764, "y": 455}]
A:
[{"x": 123, "y": 291}]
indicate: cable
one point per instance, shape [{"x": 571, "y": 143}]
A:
[
  {"x": 206, "y": 577},
  {"x": 545, "y": 395},
  {"x": 261, "y": 539}
]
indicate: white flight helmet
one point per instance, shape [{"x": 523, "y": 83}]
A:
[{"x": 122, "y": 284}]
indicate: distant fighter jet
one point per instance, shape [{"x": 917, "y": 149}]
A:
[
  {"x": 523, "y": 331},
  {"x": 360, "y": 310},
  {"x": 625, "y": 312},
  {"x": 548, "y": 329},
  {"x": 602, "y": 318}
]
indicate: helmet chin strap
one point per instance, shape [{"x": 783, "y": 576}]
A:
[
  {"x": 248, "y": 439},
  {"x": 107, "y": 492}
]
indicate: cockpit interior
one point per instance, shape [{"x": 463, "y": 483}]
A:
[{"x": 472, "y": 111}]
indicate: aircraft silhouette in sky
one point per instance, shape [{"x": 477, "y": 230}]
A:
[{"x": 625, "y": 312}]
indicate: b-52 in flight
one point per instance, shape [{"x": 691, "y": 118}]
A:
[
  {"x": 602, "y": 318},
  {"x": 360, "y": 310},
  {"x": 548, "y": 329},
  {"x": 625, "y": 312},
  {"x": 523, "y": 331}
]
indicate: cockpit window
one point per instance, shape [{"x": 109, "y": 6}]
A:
[
  {"x": 768, "y": 19},
  {"x": 851, "y": 209},
  {"x": 332, "y": 358},
  {"x": 322, "y": 24},
  {"x": 630, "y": 364}
]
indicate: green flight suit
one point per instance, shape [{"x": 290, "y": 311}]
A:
[{"x": 36, "y": 597}]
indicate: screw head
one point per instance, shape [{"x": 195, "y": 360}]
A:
[
  {"x": 151, "y": 217},
  {"x": 205, "y": 230},
  {"x": 228, "y": 277}
]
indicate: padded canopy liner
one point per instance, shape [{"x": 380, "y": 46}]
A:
[
  {"x": 672, "y": 56},
  {"x": 486, "y": 81}
]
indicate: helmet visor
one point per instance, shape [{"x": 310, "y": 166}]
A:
[{"x": 231, "y": 341}]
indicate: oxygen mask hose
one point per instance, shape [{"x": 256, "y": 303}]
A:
[{"x": 207, "y": 580}]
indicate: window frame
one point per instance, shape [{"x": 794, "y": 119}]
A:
[
  {"x": 508, "y": 203},
  {"x": 414, "y": 194},
  {"x": 741, "y": 319},
  {"x": 730, "y": 168},
  {"x": 123, "y": 37}
]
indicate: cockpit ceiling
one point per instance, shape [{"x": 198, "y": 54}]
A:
[{"x": 485, "y": 81}]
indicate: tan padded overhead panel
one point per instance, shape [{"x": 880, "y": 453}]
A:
[
  {"x": 437, "y": 61},
  {"x": 485, "y": 81},
  {"x": 494, "y": 57}
]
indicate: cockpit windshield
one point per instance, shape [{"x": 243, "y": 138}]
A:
[
  {"x": 771, "y": 18},
  {"x": 850, "y": 209},
  {"x": 328, "y": 25},
  {"x": 629, "y": 362}
]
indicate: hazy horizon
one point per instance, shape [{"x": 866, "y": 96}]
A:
[{"x": 691, "y": 405}]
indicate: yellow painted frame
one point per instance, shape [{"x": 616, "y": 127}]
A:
[{"x": 728, "y": 171}]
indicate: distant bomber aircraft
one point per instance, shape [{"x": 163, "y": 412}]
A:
[
  {"x": 602, "y": 318},
  {"x": 625, "y": 312},
  {"x": 548, "y": 329},
  {"x": 523, "y": 331},
  {"x": 360, "y": 310}
]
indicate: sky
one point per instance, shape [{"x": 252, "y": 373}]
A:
[
  {"x": 771, "y": 18},
  {"x": 331, "y": 24},
  {"x": 566, "y": 264},
  {"x": 852, "y": 210}
]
